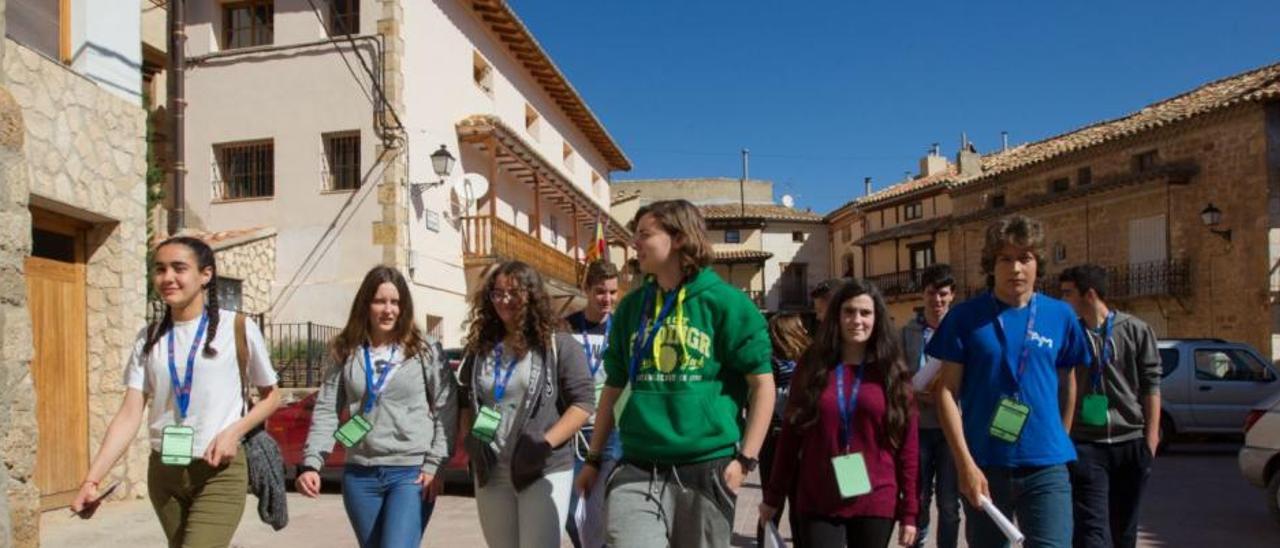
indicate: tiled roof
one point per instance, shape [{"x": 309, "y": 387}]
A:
[
  {"x": 907, "y": 187},
  {"x": 1261, "y": 84},
  {"x": 507, "y": 26},
  {"x": 771, "y": 212},
  {"x": 742, "y": 256}
]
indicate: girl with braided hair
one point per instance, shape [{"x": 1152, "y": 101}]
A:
[{"x": 197, "y": 478}]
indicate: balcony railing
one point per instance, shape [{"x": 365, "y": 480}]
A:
[
  {"x": 1158, "y": 278},
  {"x": 757, "y": 297},
  {"x": 897, "y": 283},
  {"x": 490, "y": 238},
  {"x": 298, "y": 351}
]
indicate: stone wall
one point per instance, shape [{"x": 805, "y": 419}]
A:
[
  {"x": 253, "y": 262},
  {"x": 1229, "y": 280},
  {"x": 85, "y": 149}
]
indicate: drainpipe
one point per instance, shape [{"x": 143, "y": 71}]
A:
[{"x": 177, "y": 107}]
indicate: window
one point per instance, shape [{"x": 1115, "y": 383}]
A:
[
  {"x": 913, "y": 211},
  {"x": 921, "y": 255},
  {"x": 555, "y": 229},
  {"x": 38, "y": 24},
  {"x": 344, "y": 17},
  {"x": 245, "y": 170},
  {"x": 481, "y": 72},
  {"x": 1059, "y": 253},
  {"x": 1231, "y": 364},
  {"x": 435, "y": 327},
  {"x": 567, "y": 152},
  {"x": 732, "y": 236},
  {"x": 797, "y": 236},
  {"x": 1058, "y": 185},
  {"x": 230, "y": 296},
  {"x": 342, "y": 160},
  {"x": 531, "y": 120},
  {"x": 846, "y": 233},
  {"x": 1145, "y": 161},
  {"x": 1168, "y": 361},
  {"x": 1084, "y": 176},
  {"x": 997, "y": 200},
  {"x": 246, "y": 24}
]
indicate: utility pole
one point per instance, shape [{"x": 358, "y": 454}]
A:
[{"x": 742, "y": 183}]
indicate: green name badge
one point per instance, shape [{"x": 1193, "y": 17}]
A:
[
  {"x": 176, "y": 444},
  {"x": 851, "y": 475},
  {"x": 352, "y": 431},
  {"x": 599, "y": 390},
  {"x": 1010, "y": 417},
  {"x": 1093, "y": 410},
  {"x": 485, "y": 427}
]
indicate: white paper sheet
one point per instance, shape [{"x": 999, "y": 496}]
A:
[
  {"x": 926, "y": 374},
  {"x": 1014, "y": 535},
  {"x": 772, "y": 537}
]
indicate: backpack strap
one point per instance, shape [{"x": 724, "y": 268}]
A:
[{"x": 242, "y": 360}]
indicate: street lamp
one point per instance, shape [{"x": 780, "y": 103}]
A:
[
  {"x": 442, "y": 163},
  {"x": 1212, "y": 217}
]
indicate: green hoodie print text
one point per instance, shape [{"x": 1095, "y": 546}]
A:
[{"x": 686, "y": 406}]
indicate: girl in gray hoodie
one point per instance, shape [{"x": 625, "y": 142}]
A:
[{"x": 390, "y": 400}]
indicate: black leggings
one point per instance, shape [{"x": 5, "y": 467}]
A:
[{"x": 823, "y": 532}]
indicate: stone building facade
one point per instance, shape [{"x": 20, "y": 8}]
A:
[
  {"x": 73, "y": 151},
  {"x": 1128, "y": 194}
]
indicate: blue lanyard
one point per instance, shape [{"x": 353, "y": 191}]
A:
[
  {"x": 1095, "y": 372},
  {"x": 500, "y": 379},
  {"x": 182, "y": 392},
  {"x": 927, "y": 333},
  {"x": 373, "y": 389},
  {"x": 848, "y": 409},
  {"x": 1025, "y": 355},
  {"x": 594, "y": 362},
  {"x": 645, "y": 342}
]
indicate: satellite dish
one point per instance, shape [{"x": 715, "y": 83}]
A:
[
  {"x": 471, "y": 187},
  {"x": 788, "y": 201}
]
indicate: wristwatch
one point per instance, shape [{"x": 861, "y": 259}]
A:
[{"x": 748, "y": 464}]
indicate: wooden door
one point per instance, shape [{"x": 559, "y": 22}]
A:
[{"x": 59, "y": 367}]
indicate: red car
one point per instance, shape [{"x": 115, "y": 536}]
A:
[{"x": 290, "y": 424}]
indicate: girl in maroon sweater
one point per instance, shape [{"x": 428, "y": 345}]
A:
[{"x": 848, "y": 444}]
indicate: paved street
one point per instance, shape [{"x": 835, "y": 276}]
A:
[{"x": 1197, "y": 498}]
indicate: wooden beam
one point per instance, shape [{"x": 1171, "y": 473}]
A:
[
  {"x": 576, "y": 248},
  {"x": 493, "y": 182},
  {"x": 537, "y": 210}
]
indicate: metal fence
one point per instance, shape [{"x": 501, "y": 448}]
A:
[{"x": 298, "y": 351}]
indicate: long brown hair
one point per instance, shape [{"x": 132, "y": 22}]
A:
[
  {"x": 681, "y": 220},
  {"x": 789, "y": 338},
  {"x": 485, "y": 328},
  {"x": 824, "y": 355},
  {"x": 356, "y": 332}
]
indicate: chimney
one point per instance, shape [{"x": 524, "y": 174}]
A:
[
  {"x": 932, "y": 164},
  {"x": 968, "y": 159},
  {"x": 1004, "y": 141},
  {"x": 866, "y": 186}
]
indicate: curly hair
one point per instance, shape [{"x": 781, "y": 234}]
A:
[
  {"x": 823, "y": 356},
  {"x": 485, "y": 328}
]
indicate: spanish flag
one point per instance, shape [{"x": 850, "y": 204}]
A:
[{"x": 597, "y": 249}]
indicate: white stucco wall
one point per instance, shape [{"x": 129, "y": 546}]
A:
[
  {"x": 106, "y": 45},
  {"x": 777, "y": 239}
]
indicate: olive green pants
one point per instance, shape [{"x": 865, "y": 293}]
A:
[{"x": 199, "y": 506}]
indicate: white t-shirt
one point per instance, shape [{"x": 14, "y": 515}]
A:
[{"x": 215, "y": 386}]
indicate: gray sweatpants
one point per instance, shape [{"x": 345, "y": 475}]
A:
[{"x": 688, "y": 506}]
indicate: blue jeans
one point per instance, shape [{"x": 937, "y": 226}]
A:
[
  {"x": 1039, "y": 496},
  {"x": 935, "y": 464},
  {"x": 612, "y": 453},
  {"x": 385, "y": 506}
]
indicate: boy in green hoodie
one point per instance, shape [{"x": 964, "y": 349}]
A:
[{"x": 686, "y": 354}]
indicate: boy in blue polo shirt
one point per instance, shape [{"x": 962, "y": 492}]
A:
[{"x": 1006, "y": 393}]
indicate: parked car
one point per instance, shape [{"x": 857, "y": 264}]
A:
[
  {"x": 290, "y": 424},
  {"x": 1260, "y": 456},
  {"x": 1210, "y": 385}
]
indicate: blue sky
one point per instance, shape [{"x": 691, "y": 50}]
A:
[{"x": 826, "y": 93}]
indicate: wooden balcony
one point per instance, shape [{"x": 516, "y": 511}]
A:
[
  {"x": 486, "y": 239},
  {"x": 897, "y": 283}
]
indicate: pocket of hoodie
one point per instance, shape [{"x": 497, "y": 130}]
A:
[{"x": 673, "y": 419}]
